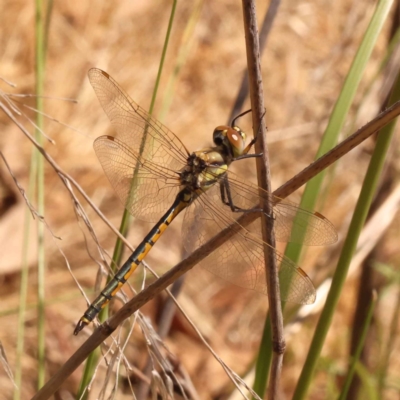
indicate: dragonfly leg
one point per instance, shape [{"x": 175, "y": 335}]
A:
[
  {"x": 226, "y": 198},
  {"x": 240, "y": 115},
  {"x": 253, "y": 141},
  {"x": 242, "y": 157}
]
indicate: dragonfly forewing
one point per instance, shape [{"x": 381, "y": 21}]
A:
[
  {"x": 141, "y": 132},
  {"x": 126, "y": 115}
]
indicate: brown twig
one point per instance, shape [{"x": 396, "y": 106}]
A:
[
  {"x": 264, "y": 181},
  {"x": 105, "y": 330}
]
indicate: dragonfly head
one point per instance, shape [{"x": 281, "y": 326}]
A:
[{"x": 232, "y": 139}]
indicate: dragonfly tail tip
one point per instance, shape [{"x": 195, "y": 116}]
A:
[{"x": 79, "y": 326}]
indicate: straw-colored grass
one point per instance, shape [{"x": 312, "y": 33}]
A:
[{"x": 308, "y": 54}]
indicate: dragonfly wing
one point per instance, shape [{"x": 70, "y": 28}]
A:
[
  {"x": 240, "y": 260},
  {"x": 142, "y": 159},
  {"x": 292, "y": 223},
  {"x": 141, "y": 132},
  {"x": 143, "y": 187}
]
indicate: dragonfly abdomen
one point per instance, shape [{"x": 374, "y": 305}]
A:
[{"x": 123, "y": 274}]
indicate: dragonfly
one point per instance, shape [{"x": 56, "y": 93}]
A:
[{"x": 149, "y": 166}]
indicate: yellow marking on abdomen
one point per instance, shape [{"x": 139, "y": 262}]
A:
[
  {"x": 134, "y": 265},
  {"x": 161, "y": 230},
  {"x": 117, "y": 289},
  {"x": 147, "y": 248}
]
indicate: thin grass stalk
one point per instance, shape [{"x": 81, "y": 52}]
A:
[
  {"x": 388, "y": 348},
  {"x": 181, "y": 58},
  {"x": 360, "y": 213},
  {"x": 356, "y": 357},
  {"x": 119, "y": 246},
  {"x": 168, "y": 308},
  {"x": 125, "y": 221},
  {"x": 330, "y": 137},
  {"x": 117, "y": 256},
  {"x": 368, "y": 382},
  {"x": 23, "y": 291},
  {"x": 39, "y": 71},
  {"x": 24, "y": 279}
]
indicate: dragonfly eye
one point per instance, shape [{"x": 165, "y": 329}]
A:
[
  {"x": 219, "y": 135},
  {"x": 232, "y": 138},
  {"x": 237, "y": 139},
  {"x": 241, "y": 133}
]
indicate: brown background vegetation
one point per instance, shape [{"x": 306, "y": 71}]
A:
[{"x": 304, "y": 65}]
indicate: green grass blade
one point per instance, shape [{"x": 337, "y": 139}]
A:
[
  {"x": 39, "y": 70},
  {"x": 264, "y": 360},
  {"x": 368, "y": 383},
  {"x": 36, "y": 180},
  {"x": 356, "y": 357},
  {"x": 364, "y": 201},
  {"x": 388, "y": 346}
]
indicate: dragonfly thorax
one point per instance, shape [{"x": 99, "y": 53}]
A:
[{"x": 204, "y": 168}]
